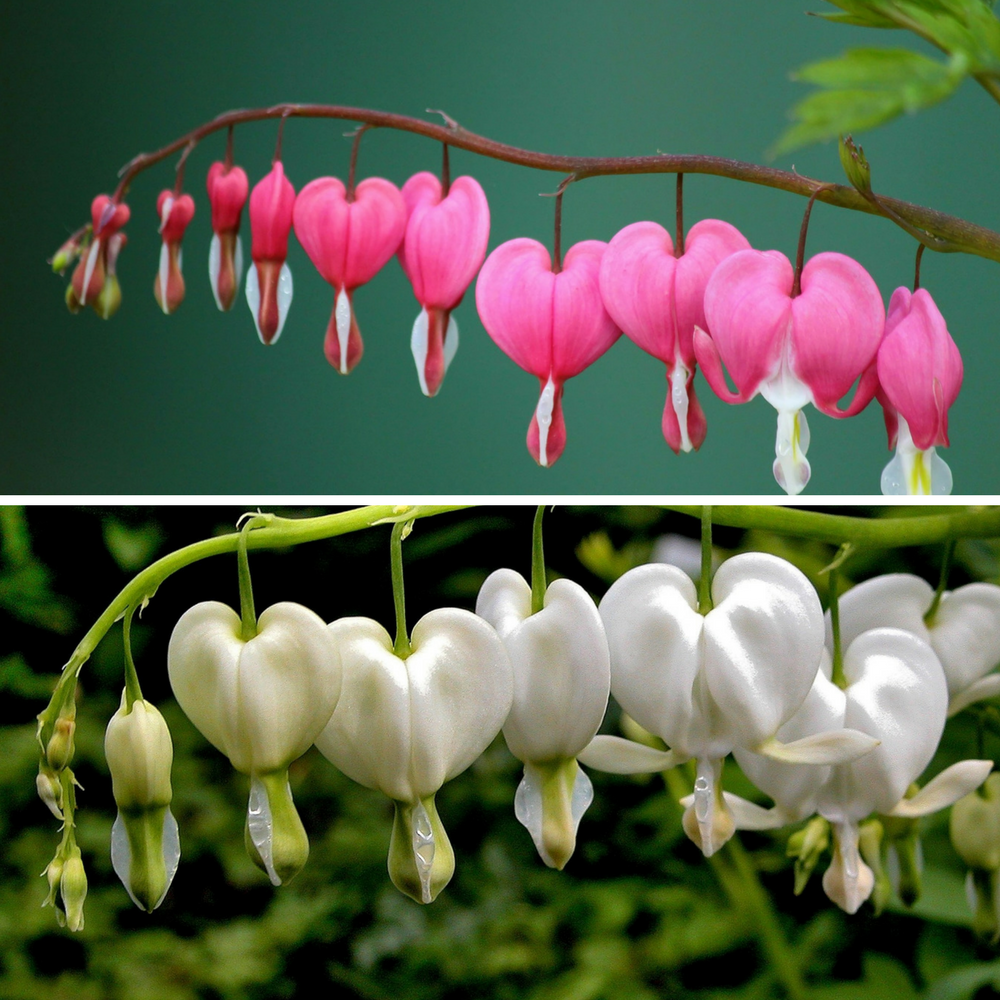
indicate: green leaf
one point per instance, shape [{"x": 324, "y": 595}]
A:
[
  {"x": 864, "y": 13},
  {"x": 865, "y": 88},
  {"x": 964, "y": 982}
]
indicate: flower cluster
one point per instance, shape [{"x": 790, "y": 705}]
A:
[
  {"x": 795, "y": 335},
  {"x": 833, "y": 717}
]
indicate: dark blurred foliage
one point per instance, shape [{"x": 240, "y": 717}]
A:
[{"x": 638, "y": 913}]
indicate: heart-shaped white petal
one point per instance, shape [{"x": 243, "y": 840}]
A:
[
  {"x": 407, "y": 726},
  {"x": 261, "y": 702},
  {"x": 559, "y": 656}
]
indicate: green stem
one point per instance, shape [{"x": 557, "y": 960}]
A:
[
  {"x": 949, "y": 552},
  {"x": 402, "y": 645},
  {"x": 705, "y": 581},
  {"x": 879, "y": 532},
  {"x": 133, "y": 692},
  {"x": 248, "y": 616},
  {"x": 838, "y": 677},
  {"x": 538, "y": 577},
  {"x": 761, "y": 910}
]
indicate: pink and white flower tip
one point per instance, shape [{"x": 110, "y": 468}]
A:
[
  {"x": 269, "y": 281},
  {"x": 920, "y": 375},
  {"x": 175, "y": 211},
  {"x": 657, "y": 298},
  {"x": 349, "y": 239},
  {"x": 443, "y": 248},
  {"x": 792, "y": 349},
  {"x": 228, "y": 188},
  {"x": 551, "y": 323},
  {"x": 94, "y": 282}
]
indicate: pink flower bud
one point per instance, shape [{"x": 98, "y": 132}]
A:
[
  {"x": 552, "y": 325},
  {"x": 443, "y": 248},
  {"x": 90, "y": 276},
  {"x": 349, "y": 242},
  {"x": 227, "y": 194},
  {"x": 269, "y": 282},
  {"x": 920, "y": 374},
  {"x": 175, "y": 212},
  {"x": 809, "y": 348},
  {"x": 658, "y": 300}
]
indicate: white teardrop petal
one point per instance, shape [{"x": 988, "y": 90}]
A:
[
  {"x": 680, "y": 403},
  {"x": 285, "y": 291},
  {"x": 418, "y": 346},
  {"x": 616, "y": 755},
  {"x": 946, "y": 789},
  {"x": 164, "y": 275},
  {"x": 543, "y": 415},
  {"x": 342, "y": 320},
  {"x": 253, "y": 298},
  {"x": 450, "y": 342},
  {"x": 214, "y": 266},
  {"x": 261, "y": 827}
]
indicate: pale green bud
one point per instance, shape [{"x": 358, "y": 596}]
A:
[
  {"x": 49, "y": 789},
  {"x": 73, "y": 889},
  {"x": 59, "y": 750},
  {"x": 421, "y": 859},
  {"x": 807, "y": 847},
  {"x": 870, "y": 835},
  {"x": 109, "y": 298},
  {"x": 53, "y": 873},
  {"x": 975, "y": 826}
]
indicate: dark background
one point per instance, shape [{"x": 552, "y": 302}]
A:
[{"x": 193, "y": 403}]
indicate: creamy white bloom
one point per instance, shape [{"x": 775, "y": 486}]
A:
[
  {"x": 406, "y": 726},
  {"x": 562, "y": 676},
  {"x": 964, "y": 632},
  {"x": 262, "y": 702}
]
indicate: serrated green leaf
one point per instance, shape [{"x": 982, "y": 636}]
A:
[
  {"x": 875, "y": 69},
  {"x": 863, "y": 13}
]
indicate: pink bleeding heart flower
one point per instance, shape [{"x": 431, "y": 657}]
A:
[
  {"x": 92, "y": 275},
  {"x": 552, "y": 324},
  {"x": 349, "y": 241},
  {"x": 269, "y": 281},
  {"x": 920, "y": 375},
  {"x": 443, "y": 248},
  {"x": 792, "y": 349},
  {"x": 658, "y": 298},
  {"x": 227, "y": 194},
  {"x": 175, "y": 211}
]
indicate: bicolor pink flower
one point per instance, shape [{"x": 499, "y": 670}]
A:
[
  {"x": 95, "y": 270},
  {"x": 443, "y": 248},
  {"x": 175, "y": 212},
  {"x": 658, "y": 298},
  {"x": 349, "y": 242},
  {"x": 227, "y": 194},
  {"x": 809, "y": 348},
  {"x": 920, "y": 374},
  {"x": 551, "y": 324},
  {"x": 269, "y": 282}
]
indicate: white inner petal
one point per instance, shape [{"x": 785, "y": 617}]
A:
[
  {"x": 164, "y": 275},
  {"x": 679, "y": 401},
  {"x": 913, "y": 472},
  {"x": 791, "y": 467},
  {"x": 342, "y": 317},
  {"x": 238, "y": 262},
  {"x": 214, "y": 265},
  {"x": 88, "y": 270},
  {"x": 168, "y": 204},
  {"x": 450, "y": 341},
  {"x": 423, "y": 849},
  {"x": 121, "y": 856},
  {"x": 530, "y": 810},
  {"x": 418, "y": 345},
  {"x": 171, "y": 851},
  {"x": 261, "y": 827},
  {"x": 284, "y": 299},
  {"x": 543, "y": 414},
  {"x": 253, "y": 298}
]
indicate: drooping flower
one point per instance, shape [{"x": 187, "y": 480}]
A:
[
  {"x": 552, "y": 324},
  {"x": 227, "y": 194},
  {"x": 708, "y": 684},
  {"x": 920, "y": 375},
  {"x": 792, "y": 349},
  {"x": 562, "y": 674},
  {"x": 895, "y": 693},
  {"x": 145, "y": 844},
  {"x": 349, "y": 241},
  {"x": 658, "y": 299},
  {"x": 269, "y": 281},
  {"x": 262, "y": 702},
  {"x": 94, "y": 280},
  {"x": 406, "y": 726},
  {"x": 175, "y": 211},
  {"x": 964, "y": 631},
  {"x": 443, "y": 248}
]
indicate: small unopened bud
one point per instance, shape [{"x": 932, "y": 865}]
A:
[
  {"x": 855, "y": 164},
  {"x": 807, "y": 846},
  {"x": 870, "y": 843},
  {"x": 904, "y": 854},
  {"x": 53, "y": 873},
  {"x": 109, "y": 298},
  {"x": 72, "y": 302},
  {"x": 73, "y": 889},
  {"x": 975, "y": 826},
  {"x": 50, "y": 789},
  {"x": 274, "y": 835},
  {"x": 421, "y": 859},
  {"x": 66, "y": 254},
  {"x": 59, "y": 751}
]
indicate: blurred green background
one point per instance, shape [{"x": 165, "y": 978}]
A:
[
  {"x": 193, "y": 403},
  {"x": 637, "y": 914}
]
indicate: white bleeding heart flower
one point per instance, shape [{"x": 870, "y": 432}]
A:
[
  {"x": 964, "y": 631},
  {"x": 145, "y": 845},
  {"x": 707, "y": 684},
  {"x": 406, "y": 726},
  {"x": 896, "y": 693},
  {"x": 262, "y": 702},
  {"x": 562, "y": 676}
]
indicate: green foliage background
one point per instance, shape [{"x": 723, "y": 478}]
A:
[{"x": 638, "y": 913}]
